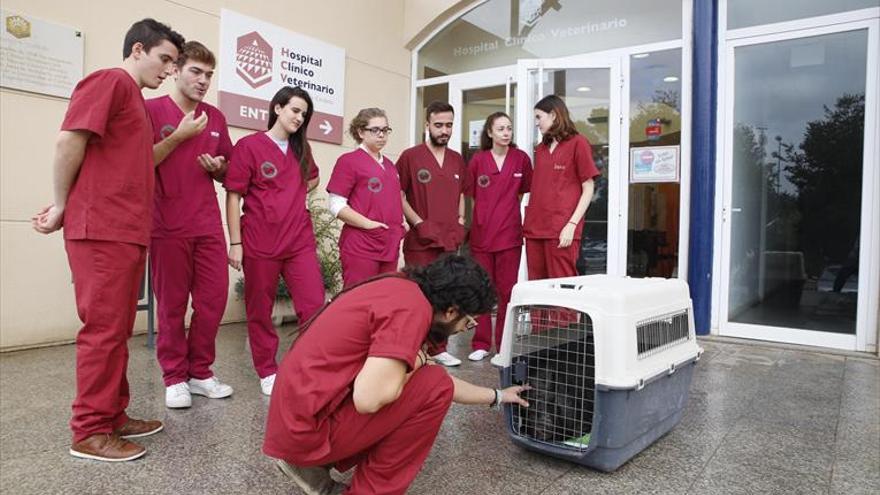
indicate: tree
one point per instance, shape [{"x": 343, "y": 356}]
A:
[{"x": 826, "y": 169}]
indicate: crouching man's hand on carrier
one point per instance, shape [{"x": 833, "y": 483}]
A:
[{"x": 510, "y": 395}]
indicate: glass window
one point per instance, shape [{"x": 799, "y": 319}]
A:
[
  {"x": 498, "y": 32},
  {"x": 654, "y": 127},
  {"x": 745, "y": 13},
  {"x": 798, "y": 136},
  {"x": 424, "y": 96}
]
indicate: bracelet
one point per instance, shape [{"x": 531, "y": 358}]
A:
[
  {"x": 235, "y": 244},
  {"x": 496, "y": 404}
]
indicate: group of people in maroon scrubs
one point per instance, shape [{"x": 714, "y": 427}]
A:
[{"x": 357, "y": 387}]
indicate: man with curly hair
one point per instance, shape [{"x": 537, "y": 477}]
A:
[{"x": 357, "y": 389}]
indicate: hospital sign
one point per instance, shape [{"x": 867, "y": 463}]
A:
[{"x": 258, "y": 58}]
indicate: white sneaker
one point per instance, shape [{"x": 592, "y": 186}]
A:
[
  {"x": 478, "y": 355},
  {"x": 211, "y": 388},
  {"x": 446, "y": 359},
  {"x": 267, "y": 384},
  {"x": 496, "y": 361},
  {"x": 178, "y": 396}
]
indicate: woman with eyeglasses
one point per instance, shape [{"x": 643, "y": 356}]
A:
[
  {"x": 365, "y": 194},
  {"x": 497, "y": 177},
  {"x": 273, "y": 171}
]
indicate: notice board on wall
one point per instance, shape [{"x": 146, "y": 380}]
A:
[{"x": 39, "y": 56}]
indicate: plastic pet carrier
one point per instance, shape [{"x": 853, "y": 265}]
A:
[{"x": 609, "y": 360}]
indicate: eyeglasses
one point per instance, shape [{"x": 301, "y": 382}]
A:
[
  {"x": 471, "y": 322},
  {"x": 378, "y": 130}
]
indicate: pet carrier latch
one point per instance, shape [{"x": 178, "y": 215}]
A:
[{"x": 520, "y": 372}]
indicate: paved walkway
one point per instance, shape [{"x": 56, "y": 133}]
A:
[{"x": 759, "y": 420}]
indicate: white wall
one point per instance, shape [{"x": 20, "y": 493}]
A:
[{"x": 36, "y": 295}]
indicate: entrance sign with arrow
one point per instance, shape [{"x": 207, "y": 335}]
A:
[{"x": 259, "y": 58}]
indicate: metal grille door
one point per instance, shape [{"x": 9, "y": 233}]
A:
[{"x": 553, "y": 353}]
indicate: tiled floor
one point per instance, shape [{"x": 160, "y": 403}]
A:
[{"x": 759, "y": 420}]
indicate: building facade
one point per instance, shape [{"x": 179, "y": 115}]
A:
[{"x": 737, "y": 141}]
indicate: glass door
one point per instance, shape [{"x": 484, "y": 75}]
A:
[
  {"x": 474, "y": 97},
  {"x": 799, "y": 221},
  {"x": 591, "y": 88}
]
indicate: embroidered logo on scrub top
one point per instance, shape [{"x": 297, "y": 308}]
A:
[
  {"x": 167, "y": 130},
  {"x": 557, "y": 166},
  {"x": 423, "y": 175},
  {"x": 374, "y": 184},
  {"x": 483, "y": 181},
  {"x": 268, "y": 170}
]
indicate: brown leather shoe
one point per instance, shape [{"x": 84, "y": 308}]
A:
[
  {"x": 107, "y": 447},
  {"x": 134, "y": 428}
]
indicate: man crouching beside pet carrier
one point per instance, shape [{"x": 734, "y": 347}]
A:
[{"x": 354, "y": 390}]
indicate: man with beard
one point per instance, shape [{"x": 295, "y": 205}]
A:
[
  {"x": 354, "y": 390},
  {"x": 432, "y": 181},
  {"x": 188, "y": 248}
]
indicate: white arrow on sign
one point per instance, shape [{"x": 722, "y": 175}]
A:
[{"x": 326, "y": 127}]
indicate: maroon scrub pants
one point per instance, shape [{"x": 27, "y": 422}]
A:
[
  {"x": 357, "y": 268},
  {"x": 502, "y": 267},
  {"x": 390, "y": 446},
  {"x": 182, "y": 267},
  {"x": 302, "y": 274},
  {"x": 106, "y": 278},
  {"x": 545, "y": 260}
]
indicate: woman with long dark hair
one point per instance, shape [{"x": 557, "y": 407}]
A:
[
  {"x": 562, "y": 188},
  {"x": 498, "y": 175},
  {"x": 273, "y": 171}
]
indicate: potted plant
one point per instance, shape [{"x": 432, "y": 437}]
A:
[{"x": 326, "y": 236}]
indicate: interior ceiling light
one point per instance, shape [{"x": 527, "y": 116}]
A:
[
  {"x": 670, "y": 79},
  {"x": 584, "y": 89},
  {"x": 641, "y": 55}
]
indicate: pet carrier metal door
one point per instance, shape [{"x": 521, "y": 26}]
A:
[{"x": 553, "y": 353}]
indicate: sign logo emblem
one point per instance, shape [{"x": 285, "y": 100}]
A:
[
  {"x": 483, "y": 181},
  {"x": 423, "y": 175},
  {"x": 374, "y": 185},
  {"x": 18, "y": 26},
  {"x": 167, "y": 130},
  {"x": 253, "y": 59},
  {"x": 268, "y": 170}
]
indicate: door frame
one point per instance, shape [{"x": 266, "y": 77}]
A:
[
  {"x": 499, "y": 76},
  {"x": 869, "y": 260},
  {"x": 618, "y": 140}
]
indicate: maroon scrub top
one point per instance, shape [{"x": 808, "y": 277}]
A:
[
  {"x": 387, "y": 318},
  {"x": 374, "y": 192},
  {"x": 497, "y": 224},
  {"x": 111, "y": 198},
  {"x": 556, "y": 187},
  {"x": 185, "y": 201},
  {"x": 275, "y": 224},
  {"x": 433, "y": 192}
]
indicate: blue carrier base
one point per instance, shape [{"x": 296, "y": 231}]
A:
[{"x": 625, "y": 422}]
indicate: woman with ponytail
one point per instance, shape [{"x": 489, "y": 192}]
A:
[{"x": 273, "y": 171}]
